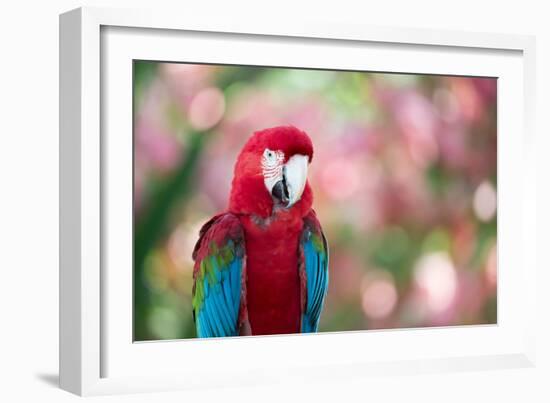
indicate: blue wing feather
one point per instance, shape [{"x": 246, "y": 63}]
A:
[
  {"x": 228, "y": 294},
  {"x": 315, "y": 269},
  {"x": 212, "y": 316},
  {"x": 205, "y": 324}
]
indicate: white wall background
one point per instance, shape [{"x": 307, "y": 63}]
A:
[{"x": 29, "y": 199}]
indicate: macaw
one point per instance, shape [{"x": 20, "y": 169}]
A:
[{"x": 261, "y": 267}]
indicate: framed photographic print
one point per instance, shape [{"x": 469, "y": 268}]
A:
[{"x": 246, "y": 195}]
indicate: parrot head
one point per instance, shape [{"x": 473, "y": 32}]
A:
[{"x": 271, "y": 172}]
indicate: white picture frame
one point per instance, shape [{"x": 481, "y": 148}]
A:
[{"x": 96, "y": 354}]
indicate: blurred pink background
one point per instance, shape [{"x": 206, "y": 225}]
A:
[{"x": 404, "y": 180}]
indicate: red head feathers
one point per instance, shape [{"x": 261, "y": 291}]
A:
[{"x": 271, "y": 171}]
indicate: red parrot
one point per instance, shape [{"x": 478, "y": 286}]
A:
[{"x": 261, "y": 267}]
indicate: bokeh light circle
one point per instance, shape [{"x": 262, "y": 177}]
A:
[
  {"x": 435, "y": 275},
  {"x": 485, "y": 201},
  {"x": 379, "y": 298},
  {"x": 207, "y": 108}
]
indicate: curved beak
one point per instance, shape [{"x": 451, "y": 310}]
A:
[{"x": 289, "y": 190}]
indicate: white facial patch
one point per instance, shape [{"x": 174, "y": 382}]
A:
[{"x": 272, "y": 167}]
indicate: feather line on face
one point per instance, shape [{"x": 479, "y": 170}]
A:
[{"x": 272, "y": 167}]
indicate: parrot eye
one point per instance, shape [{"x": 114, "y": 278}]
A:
[{"x": 271, "y": 158}]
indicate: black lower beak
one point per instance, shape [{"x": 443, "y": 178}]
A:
[{"x": 280, "y": 192}]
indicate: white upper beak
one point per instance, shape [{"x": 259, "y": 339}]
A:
[{"x": 295, "y": 173}]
